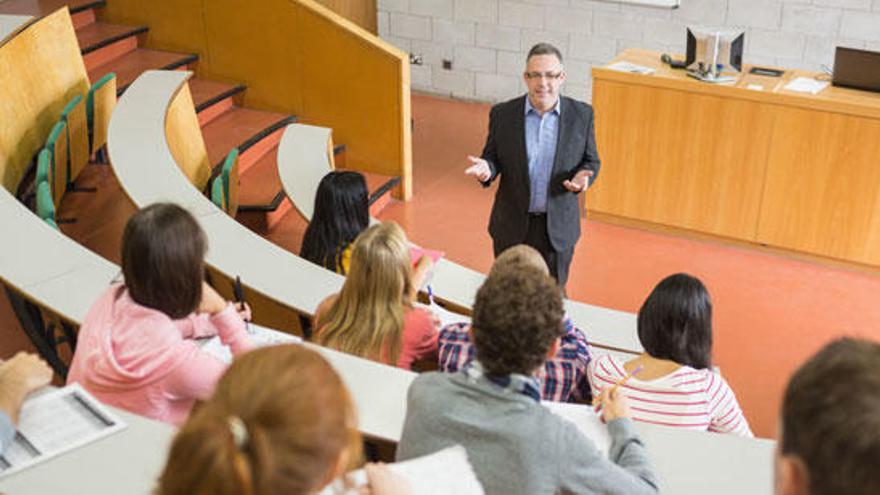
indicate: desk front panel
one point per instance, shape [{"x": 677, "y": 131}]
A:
[{"x": 683, "y": 159}]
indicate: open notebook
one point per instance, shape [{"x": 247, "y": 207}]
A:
[
  {"x": 55, "y": 422},
  {"x": 441, "y": 473},
  {"x": 586, "y": 420}
]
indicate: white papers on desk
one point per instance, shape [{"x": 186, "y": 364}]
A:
[
  {"x": 441, "y": 473},
  {"x": 586, "y": 420},
  {"x": 260, "y": 336},
  {"x": 54, "y": 423},
  {"x": 806, "y": 85},
  {"x": 624, "y": 66}
]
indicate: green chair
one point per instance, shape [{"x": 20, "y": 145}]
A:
[
  {"x": 217, "y": 196},
  {"x": 57, "y": 146},
  {"x": 229, "y": 177},
  {"x": 45, "y": 206},
  {"x": 99, "y": 105},
  {"x": 52, "y": 223},
  {"x": 42, "y": 166},
  {"x": 74, "y": 116}
]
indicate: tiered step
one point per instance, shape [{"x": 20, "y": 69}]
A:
[
  {"x": 132, "y": 64},
  {"x": 243, "y": 128},
  {"x": 100, "y": 42},
  {"x": 213, "y": 98}
]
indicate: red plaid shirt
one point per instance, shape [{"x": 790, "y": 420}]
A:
[{"x": 563, "y": 378}]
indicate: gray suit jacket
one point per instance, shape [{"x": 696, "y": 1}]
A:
[{"x": 505, "y": 151}]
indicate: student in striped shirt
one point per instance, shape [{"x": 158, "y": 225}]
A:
[
  {"x": 673, "y": 383},
  {"x": 563, "y": 377}
]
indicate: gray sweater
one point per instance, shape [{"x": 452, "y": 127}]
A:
[{"x": 516, "y": 445}]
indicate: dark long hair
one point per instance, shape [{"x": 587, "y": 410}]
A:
[
  {"x": 341, "y": 213},
  {"x": 675, "y": 322}
]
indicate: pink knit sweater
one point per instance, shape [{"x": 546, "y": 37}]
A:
[{"x": 139, "y": 359}]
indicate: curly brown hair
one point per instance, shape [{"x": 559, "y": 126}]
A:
[{"x": 517, "y": 316}]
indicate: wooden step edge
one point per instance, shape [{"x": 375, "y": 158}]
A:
[
  {"x": 82, "y": 18},
  {"x": 222, "y": 96},
  {"x": 134, "y": 31},
  {"x": 217, "y": 109},
  {"x": 88, "y": 6},
  {"x": 256, "y": 146},
  {"x": 273, "y": 205},
  {"x": 109, "y": 52},
  {"x": 177, "y": 64},
  {"x": 384, "y": 189}
]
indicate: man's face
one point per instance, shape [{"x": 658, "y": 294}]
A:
[{"x": 544, "y": 76}]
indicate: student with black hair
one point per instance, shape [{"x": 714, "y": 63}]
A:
[
  {"x": 341, "y": 213},
  {"x": 135, "y": 348},
  {"x": 672, "y": 382}
]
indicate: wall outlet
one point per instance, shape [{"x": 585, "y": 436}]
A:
[{"x": 447, "y": 64}]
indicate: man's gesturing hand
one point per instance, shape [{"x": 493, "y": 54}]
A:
[
  {"x": 479, "y": 168},
  {"x": 579, "y": 182}
]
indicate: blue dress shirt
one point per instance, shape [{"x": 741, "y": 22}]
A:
[{"x": 541, "y": 134}]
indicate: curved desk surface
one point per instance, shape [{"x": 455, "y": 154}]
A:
[
  {"x": 11, "y": 24},
  {"x": 47, "y": 267},
  {"x": 148, "y": 173},
  {"x": 302, "y": 162}
]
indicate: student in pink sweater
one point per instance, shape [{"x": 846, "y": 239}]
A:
[{"x": 135, "y": 348}]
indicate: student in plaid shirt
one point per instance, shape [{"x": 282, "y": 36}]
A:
[{"x": 563, "y": 378}]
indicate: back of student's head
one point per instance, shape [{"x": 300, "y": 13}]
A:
[
  {"x": 280, "y": 422},
  {"x": 367, "y": 317},
  {"x": 831, "y": 422},
  {"x": 341, "y": 213},
  {"x": 522, "y": 254},
  {"x": 517, "y": 316},
  {"x": 163, "y": 251},
  {"x": 675, "y": 322}
]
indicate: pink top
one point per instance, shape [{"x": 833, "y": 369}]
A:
[
  {"x": 686, "y": 398},
  {"x": 420, "y": 331},
  {"x": 138, "y": 359}
]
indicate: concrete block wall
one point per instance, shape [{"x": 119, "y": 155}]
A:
[{"x": 487, "y": 40}]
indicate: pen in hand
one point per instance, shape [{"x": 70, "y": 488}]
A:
[
  {"x": 620, "y": 382},
  {"x": 239, "y": 299}
]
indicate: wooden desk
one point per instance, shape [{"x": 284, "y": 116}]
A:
[{"x": 771, "y": 167}]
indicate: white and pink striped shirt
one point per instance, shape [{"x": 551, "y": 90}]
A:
[{"x": 687, "y": 398}]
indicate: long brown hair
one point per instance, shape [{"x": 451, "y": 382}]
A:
[
  {"x": 366, "y": 319},
  {"x": 295, "y": 424}
]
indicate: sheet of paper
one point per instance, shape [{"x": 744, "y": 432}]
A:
[
  {"x": 624, "y": 66},
  {"x": 260, "y": 336},
  {"x": 806, "y": 85},
  {"x": 54, "y": 423},
  {"x": 441, "y": 473},
  {"x": 446, "y": 317},
  {"x": 586, "y": 420},
  {"x": 416, "y": 252}
]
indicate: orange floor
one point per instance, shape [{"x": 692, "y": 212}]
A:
[{"x": 771, "y": 312}]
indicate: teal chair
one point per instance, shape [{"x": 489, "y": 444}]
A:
[
  {"x": 217, "y": 196},
  {"x": 42, "y": 166},
  {"x": 52, "y": 223},
  {"x": 57, "y": 146},
  {"x": 45, "y": 206},
  {"x": 74, "y": 117},
  {"x": 99, "y": 106},
  {"x": 228, "y": 180}
]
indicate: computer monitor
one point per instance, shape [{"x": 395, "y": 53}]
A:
[
  {"x": 859, "y": 69},
  {"x": 714, "y": 54}
]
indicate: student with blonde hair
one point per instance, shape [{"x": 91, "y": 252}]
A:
[
  {"x": 280, "y": 422},
  {"x": 373, "y": 315}
]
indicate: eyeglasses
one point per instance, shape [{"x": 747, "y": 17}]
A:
[{"x": 550, "y": 76}]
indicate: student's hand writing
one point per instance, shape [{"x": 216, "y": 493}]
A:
[
  {"x": 383, "y": 481},
  {"x": 614, "y": 404},
  {"x": 212, "y": 302},
  {"x": 579, "y": 182},
  {"x": 243, "y": 310},
  {"x": 479, "y": 168},
  {"x": 420, "y": 274}
]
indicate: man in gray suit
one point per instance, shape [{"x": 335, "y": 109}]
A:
[{"x": 544, "y": 147}]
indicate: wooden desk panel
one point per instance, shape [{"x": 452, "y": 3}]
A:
[
  {"x": 663, "y": 161},
  {"x": 788, "y": 170},
  {"x": 822, "y": 191}
]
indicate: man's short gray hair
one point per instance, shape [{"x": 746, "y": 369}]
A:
[{"x": 543, "y": 48}]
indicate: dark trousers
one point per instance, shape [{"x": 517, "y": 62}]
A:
[{"x": 537, "y": 237}]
